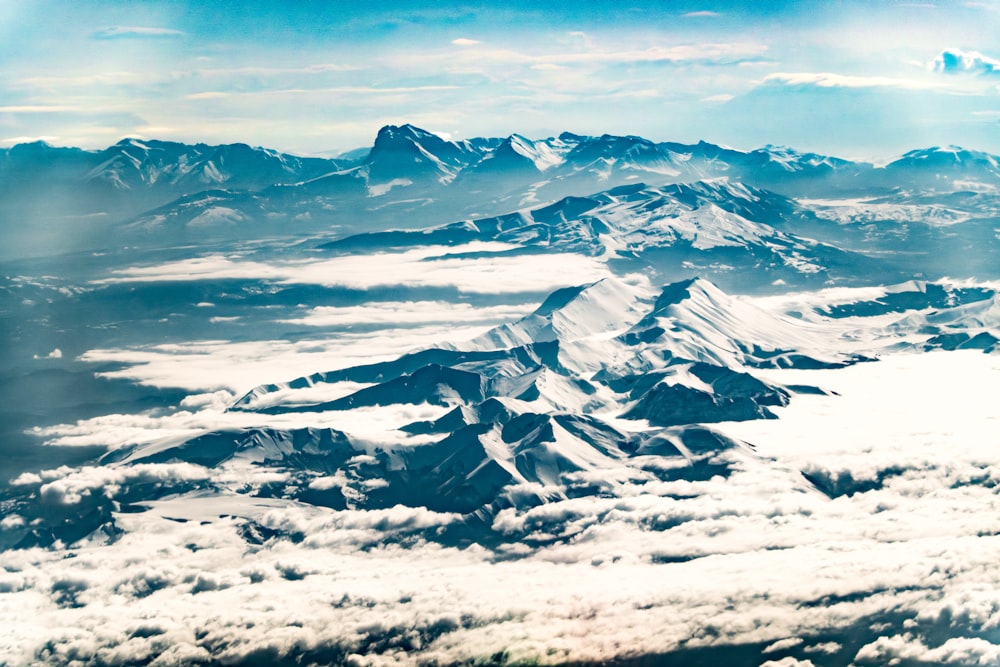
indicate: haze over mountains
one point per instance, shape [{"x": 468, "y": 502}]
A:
[
  {"x": 150, "y": 192},
  {"x": 572, "y": 400}
]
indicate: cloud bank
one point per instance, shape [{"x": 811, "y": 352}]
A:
[{"x": 891, "y": 553}]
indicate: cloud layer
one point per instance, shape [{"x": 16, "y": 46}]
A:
[
  {"x": 896, "y": 559},
  {"x": 424, "y": 267}
]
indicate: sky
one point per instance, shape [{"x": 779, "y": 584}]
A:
[{"x": 853, "y": 79}]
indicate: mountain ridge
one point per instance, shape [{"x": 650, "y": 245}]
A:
[{"x": 141, "y": 192}]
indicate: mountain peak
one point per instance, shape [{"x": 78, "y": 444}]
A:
[
  {"x": 131, "y": 141},
  {"x": 674, "y": 293},
  {"x": 570, "y": 137},
  {"x": 390, "y": 132},
  {"x": 409, "y": 152},
  {"x": 33, "y": 147}
]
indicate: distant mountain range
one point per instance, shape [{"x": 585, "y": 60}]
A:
[
  {"x": 407, "y": 163},
  {"x": 800, "y": 218}
]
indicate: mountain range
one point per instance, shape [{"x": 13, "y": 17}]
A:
[
  {"x": 152, "y": 192},
  {"x": 441, "y": 392},
  {"x": 601, "y": 377}
]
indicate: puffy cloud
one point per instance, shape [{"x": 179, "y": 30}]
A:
[
  {"x": 78, "y": 484},
  {"x": 783, "y": 644},
  {"x": 954, "y": 651},
  {"x": 951, "y": 61},
  {"x": 788, "y": 662}
]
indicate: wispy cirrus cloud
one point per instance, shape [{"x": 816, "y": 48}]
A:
[
  {"x": 505, "y": 76},
  {"x": 36, "y": 108},
  {"x": 130, "y": 78},
  {"x": 10, "y": 141},
  {"x": 354, "y": 90},
  {"x": 136, "y": 32},
  {"x": 833, "y": 80},
  {"x": 676, "y": 53},
  {"x": 408, "y": 312}
]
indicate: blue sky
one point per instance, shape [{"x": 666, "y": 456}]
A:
[{"x": 857, "y": 79}]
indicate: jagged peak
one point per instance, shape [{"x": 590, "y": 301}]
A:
[
  {"x": 387, "y": 132},
  {"x": 560, "y": 298},
  {"x": 132, "y": 141},
  {"x": 685, "y": 290},
  {"x": 571, "y": 206},
  {"x": 674, "y": 293},
  {"x": 600, "y": 298},
  {"x": 412, "y": 133},
  {"x": 570, "y": 137},
  {"x": 37, "y": 147}
]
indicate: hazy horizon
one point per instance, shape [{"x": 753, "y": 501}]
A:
[{"x": 857, "y": 80}]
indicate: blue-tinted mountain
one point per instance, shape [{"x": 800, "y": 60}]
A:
[{"x": 414, "y": 178}]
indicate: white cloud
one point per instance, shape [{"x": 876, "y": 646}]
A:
[
  {"x": 37, "y": 108},
  {"x": 954, "y": 651},
  {"x": 462, "y": 41},
  {"x": 326, "y": 91},
  {"x": 707, "y": 51},
  {"x": 237, "y": 367},
  {"x": 409, "y": 312},
  {"x": 11, "y": 141},
  {"x": 430, "y": 266},
  {"x": 700, "y": 14},
  {"x": 788, "y": 662},
  {"x": 831, "y": 80},
  {"x": 136, "y": 32},
  {"x": 950, "y": 61},
  {"x": 783, "y": 644},
  {"x": 73, "y": 486}
]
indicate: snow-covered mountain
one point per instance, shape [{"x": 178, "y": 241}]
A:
[
  {"x": 643, "y": 384},
  {"x": 945, "y": 169},
  {"x": 609, "y": 378},
  {"x": 741, "y": 237},
  {"x": 415, "y": 178},
  {"x": 138, "y": 174}
]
